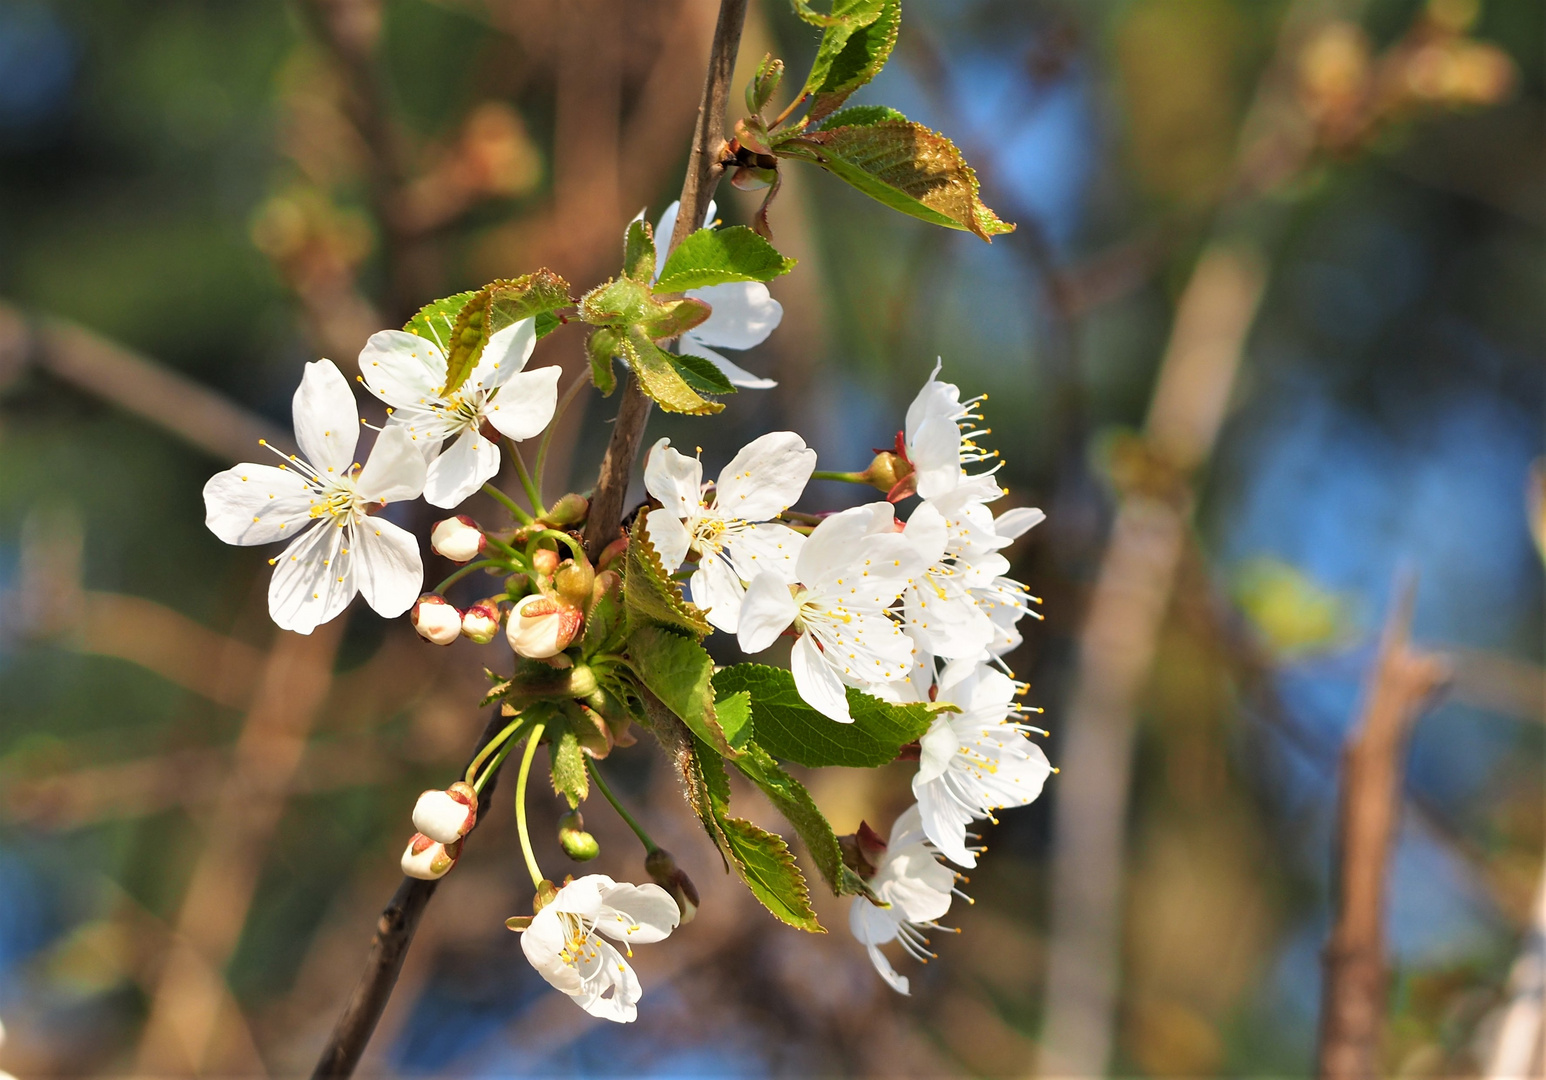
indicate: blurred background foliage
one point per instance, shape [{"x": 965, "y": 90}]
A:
[{"x": 198, "y": 820}]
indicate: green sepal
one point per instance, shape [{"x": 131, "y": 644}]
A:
[
  {"x": 800, "y": 810},
  {"x": 617, "y": 302},
  {"x": 570, "y": 778},
  {"x": 673, "y": 318},
  {"x": 660, "y": 376},
  {"x": 850, "y": 57},
  {"x": 850, "y": 13},
  {"x": 764, "y": 84},
  {"x": 716, "y": 256},
  {"x": 492, "y": 308},
  {"x": 639, "y": 251},
  {"x": 650, "y": 597},
  {"x": 905, "y": 166},
  {"x": 600, "y": 348},
  {"x": 677, "y": 671},
  {"x": 788, "y": 728},
  {"x": 436, "y": 320}
]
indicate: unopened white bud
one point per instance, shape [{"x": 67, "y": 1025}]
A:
[
  {"x": 542, "y": 626},
  {"x": 429, "y": 860},
  {"x": 457, "y": 538},
  {"x": 446, "y": 816},
  {"x": 481, "y": 621},
  {"x": 436, "y": 619}
]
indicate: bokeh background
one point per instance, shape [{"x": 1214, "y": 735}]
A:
[{"x": 1342, "y": 201}]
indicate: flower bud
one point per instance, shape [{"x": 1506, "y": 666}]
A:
[
  {"x": 578, "y": 844},
  {"x": 428, "y": 860},
  {"x": 436, "y": 619},
  {"x": 446, "y": 816},
  {"x": 664, "y": 872},
  {"x": 751, "y": 178},
  {"x": 542, "y": 626},
  {"x": 570, "y": 510},
  {"x": 886, "y": 471},
  {"x": 481, "y": 621},
  {"x": 544, "y": 561},
  {"x": 612, "y": 552},
  {"x": 573, "y": 580},
  {"x": 457, "y": 538},
  {"x": 582, "y": 682}
]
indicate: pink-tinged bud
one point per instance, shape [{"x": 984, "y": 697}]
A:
[
  {"x": 544, "y": 561},
  {"x": 429, "y": 860},
  {"x": 457, "y": 538},
  {"x": 542, "y": 626},
  {"x": 612, "y": 552},
  {"x": 481, "y": 621},
  {"x": 664, "y": 872},
  {"x": 573, "y": 580},
  {"x": 570, "y": 510},
  {"x": 751, "y": 178},
  {"x": 863, "y": 851},
  {"x": 436, "y": 619},
  {"x": 446, "y": 816}
]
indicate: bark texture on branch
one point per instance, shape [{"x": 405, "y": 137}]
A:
[
  {"x": 703, "y": 175},
  {"x": 1403, "y": 681}
]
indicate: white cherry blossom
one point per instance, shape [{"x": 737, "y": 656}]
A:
[
  {"x": 918, "y": 887},
  {"x": 567, "y": 941},
  {"x": 325, "y": 502},
  {"x": 974, "y": 761},
  {"x": 408, "y": 372},
  {"x": 849, "y": 573},
  {"x": 744, "y": 312},
  {"x": 940, "y": 436},
  {"x": 730, "y": 533}
]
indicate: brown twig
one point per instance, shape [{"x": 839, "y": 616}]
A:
[
  {"x": 1403, "y": 681},
  {"x": 703, "y": 175}
]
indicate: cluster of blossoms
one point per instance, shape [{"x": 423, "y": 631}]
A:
[{"x": 908, "y": 614}]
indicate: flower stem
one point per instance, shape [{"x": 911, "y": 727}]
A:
[
  {"x": 502, "y": 741},
  {"x": 574, "y": 545},
  {"x": 520, "y": 470},
  {"x": 638, "y": 830},
  {"x": 507, "y": 550},
  {"x": 520, "y": 803},
  {"x": 461, "y": 572},
  {"x": 844, "y": 477},
  {"x": 508, "y": 503},
  {"x": 547, "y": 436}
]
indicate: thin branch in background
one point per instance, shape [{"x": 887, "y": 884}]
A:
[{"x": 1402, "y": 683}]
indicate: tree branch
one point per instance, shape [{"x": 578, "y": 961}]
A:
[{"x": 703, "y": 175}]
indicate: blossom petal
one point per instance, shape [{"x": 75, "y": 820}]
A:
[
  {"x": 944, "y": 821},
  {"x": 717, "y": 588},
  {"x": 767, "y": 609},
  {"x": 675, "y": 479},
  {"x": 669, "y": 537},
  {"x": 937, "y": 749},
  {"x": 525, "y": 404},
  {"x": 609, "y": 988},
  {"x": 916, "y": 883},
  {"x": 934, "y": 399},
  {"x": 735, "y": 373},
  {"x": 765, "y": 478},
  {"x": 327, "y": 421},
  {"x": 927, "y": 531},
  {"x": 461, "y": 470},
  {"x": 744, "y": 314},
  {"x": 403, "y": 369},
  {"x": 313, "y": 580},
  {"x": 764, "y": 548},
  {"x": 257, "y": 504},
  {"x": 637, "y": 914},
  {"x": 395, "y": 470},
  {"x": 1013, "y": 524},
  {"x": 505, "y": 354},
  {"x": 544, "y": 943},
  {"x": 897, "y": 982},
  {"x": 833, "y": 546},
  {"x": 871, "y": 923},
  {"x": 817, "y": 680},
  {"x": 388, "y": 566},
  {"x": 936, "y": 456}
]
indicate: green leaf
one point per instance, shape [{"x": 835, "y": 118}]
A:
[
  {"x": 700, "y": 374},
  {"x": 546, "y": 323},
  {"x": 673, "y": 318},
  {"x": 716, "y": 256},
  {"x": 650, "y": 597},
  {"x": 639, "y": 251},
  {"x": 800, "y": 810},
  {"x": 860, "y": 116},
  {"x": 492, "y": 308},
  {"x": 660, "y": 377},
  {"x": 765, "y": 864},
  {"x": 601, "y": 347},
  {"x": 850, "y": 13},
  {"x": 604, "y": 628},
  {"x": 849, "y": 58},
  {"x": 764, "y": 84},
  {"x": 436, "y": 320},
  {"x": 568, "y": 766},
  {"x": 677, "y": 671},
  {"x": 788, "y": 728},
  {"x": 905, "y": 166},
  {"x": 735, "y": 718}
]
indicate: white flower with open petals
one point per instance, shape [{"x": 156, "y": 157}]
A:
[
  {"x": 909, "y": 877},
  {"x": 408, "y": 372},
  {"x": 940, "y": 436},
  {"x": 567, "y": 941},
  {"x": 323, "y": 505},
  {"x": 744, "y": 313},
  {"x": 974, "y": 761},
  {"x": 729, "y": 532},
  {"x": 849, "y": 572}
]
